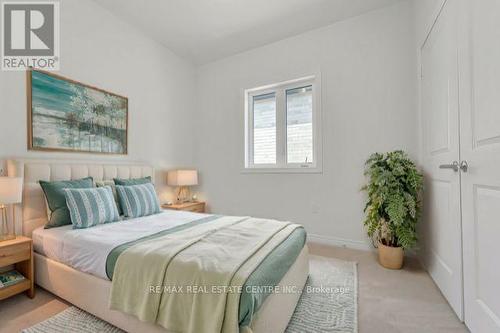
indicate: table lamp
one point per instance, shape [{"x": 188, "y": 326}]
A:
[
  {"x": 182, "y": 179},
  {"x": 11, "y": 192}
]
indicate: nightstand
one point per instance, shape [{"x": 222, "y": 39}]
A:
[
  {"x": 197, "y": 206},
  {"x": 18, "y": 252}
]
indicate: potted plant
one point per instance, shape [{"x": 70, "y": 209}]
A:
[{"x": 393, "y": 206}]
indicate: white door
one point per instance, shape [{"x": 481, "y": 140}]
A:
[
  {"x": 479, "y": 59},
  {"x": 441, "y": 223}
]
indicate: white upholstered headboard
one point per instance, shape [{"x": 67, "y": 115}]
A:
[{"x": 32, "y": 212}]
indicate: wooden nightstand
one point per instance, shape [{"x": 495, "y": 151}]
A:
[
  {"x": 197, "y": 207},
  {"x": 18, "y": 252}
]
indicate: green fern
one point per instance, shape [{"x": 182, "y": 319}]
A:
[{"x": 393, "y": 206}]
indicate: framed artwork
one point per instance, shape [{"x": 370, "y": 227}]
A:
[{"x": 66, "y": 115}]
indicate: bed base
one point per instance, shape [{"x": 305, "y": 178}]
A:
[{"x": 91, "y": 294}]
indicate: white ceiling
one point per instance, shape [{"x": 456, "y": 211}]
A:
[{"x": 208, "y": 30}]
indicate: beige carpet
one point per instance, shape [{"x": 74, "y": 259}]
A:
[
  {"x": 405, "y": 301},
  {"x": 389, "y": 301}
]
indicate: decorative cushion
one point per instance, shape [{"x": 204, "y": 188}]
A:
[
  {"x": 111, "y": 183},
  {"x": 133, "y": 181},
  {"x": 91, "y": 206},
  {"x": 138, "y": 200},
  {"x": 56, "y": 200}
]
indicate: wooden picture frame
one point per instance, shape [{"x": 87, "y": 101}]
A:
[{"x": 65, "y": 115}]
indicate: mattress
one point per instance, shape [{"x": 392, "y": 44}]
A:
[{"x": 86, "y": 250}]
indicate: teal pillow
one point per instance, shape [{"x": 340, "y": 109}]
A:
[
  {"x": 138, "y": 200},
  {"x": 91, "y": 206},
  {"x": 133, "y": 181},
  {"x": 56, "y": 200},
  {"x": 127, "y": 182}
]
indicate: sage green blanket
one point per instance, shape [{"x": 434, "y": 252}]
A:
[{"x": 191, "y": 280}]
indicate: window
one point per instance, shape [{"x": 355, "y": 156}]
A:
[{"x": 282, "y": 132}]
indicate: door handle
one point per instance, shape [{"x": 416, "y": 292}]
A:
[
  {"x": 454, "y": 166},
  {"x": 464, "y": 166}
]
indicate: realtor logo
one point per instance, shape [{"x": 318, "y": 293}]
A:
[{"x": 30, "y": 35}]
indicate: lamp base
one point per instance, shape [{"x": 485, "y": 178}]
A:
[
  {"x": 183, "y": 194},
  {"x": 5, "y": 234}
]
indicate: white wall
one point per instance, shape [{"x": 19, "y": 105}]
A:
[
  {"x": 425, "y": 13},
  {"x": 99, "y": 49},
  {"x": 368, "y": 71}
]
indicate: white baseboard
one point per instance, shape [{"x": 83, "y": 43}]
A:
[{"x": 341, "y": 242}]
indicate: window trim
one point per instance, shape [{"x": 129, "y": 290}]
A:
[{"x": 281, "y": 165}]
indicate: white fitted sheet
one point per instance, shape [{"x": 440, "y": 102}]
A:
[{"x": 86, "y": 250}]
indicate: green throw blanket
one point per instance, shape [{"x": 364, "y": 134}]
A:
[{"x": 190, "y": 278}]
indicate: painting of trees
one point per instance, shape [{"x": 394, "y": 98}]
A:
[{"x": 67, "y": 115}]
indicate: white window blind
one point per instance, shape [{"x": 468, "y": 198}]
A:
[{"x": 299, "y": 125}]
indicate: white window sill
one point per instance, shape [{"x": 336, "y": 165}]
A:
[{"x": 312, "y": 170}]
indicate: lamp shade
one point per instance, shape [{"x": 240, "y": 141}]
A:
[
  {"x": 182, "y": 177},
  {"x": 11, "y": 190}
]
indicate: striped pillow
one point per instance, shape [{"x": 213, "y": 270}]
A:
[
  {"x": 91, "y": 206},
  {"x": 138, "y": 200}
]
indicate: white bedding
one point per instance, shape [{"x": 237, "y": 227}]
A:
[{"x": 87, "y": 249}]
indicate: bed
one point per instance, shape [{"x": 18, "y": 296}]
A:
[{"x": 67, "y": 266}]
